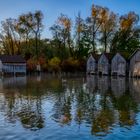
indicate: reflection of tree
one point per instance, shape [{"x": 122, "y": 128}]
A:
[
  {"x": 85, "y": 106},
  {"x": 28, "y": 110},
  {"x": 81, "y": 106},
  {"x": 10, "y": 103},
  {"x": 1, "y": 85},
  {"x": 100, "y": 108},
  {"x": 104, "y": 118},
  {"x": 95, "y": 107},
  {"x": 62, "y": 110},
  {"x": 102, "y": 122},
  {"x": 126, "y": 107},
  {"x": 30, "y": 119},
  {"x": 125, "y": 118},
  {"x": 134, "y": 86},
  {"x": 62, "y": 107},
  {"x": 24, "y": 104},
  {"x": 66, "y": 111}
]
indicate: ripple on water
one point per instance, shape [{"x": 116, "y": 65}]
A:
[{"x": 49, "y": 109}]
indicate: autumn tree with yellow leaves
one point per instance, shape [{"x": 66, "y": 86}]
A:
[{"x": 101, "y": 31}]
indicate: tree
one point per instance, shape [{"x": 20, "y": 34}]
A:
[
  {"x": 65, "y": 23},
  {"x": 81, "y": 38},
  {"x": 31, "y": 23},
  {"x": 9, "y": 38},
  {"x": 61, "y": 31},
  {"x": 94, "y": 22},
  {"x": 108, "y": 27},
  {"x": 79, "y": 29},
  {"x": 127, "y": 37},
  {"x": 37, "y": 27},
  {"x": 23, "y": 28}
]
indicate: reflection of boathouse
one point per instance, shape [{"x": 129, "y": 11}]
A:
[
  {"x": 118, "y": 86},
  {"x": 134, "y": 85},
  {"x": 103, "y": 84},
  {"x": 91, "y": 83},
  {"x": 12, "y": 82}
]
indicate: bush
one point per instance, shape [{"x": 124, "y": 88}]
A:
[
  {"x": 82, "y": 65},
  {"x": 31, "y": 65},
  {"x": 54, "y": 64},
  {"x": 43, "y": 63},
  {"x": 70, "y": 65}
]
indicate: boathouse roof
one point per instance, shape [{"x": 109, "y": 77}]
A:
[
  {"x": 12, "y": 59},
  {"x": 95, "y": 56},
  {"x": 138, "y": 49}
]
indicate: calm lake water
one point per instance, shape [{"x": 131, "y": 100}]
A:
[{"x": 72, "y": 108}]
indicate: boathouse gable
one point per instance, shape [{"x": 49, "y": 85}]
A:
[
  {"x": 118, "y": 65},
  {"x": 134, "y": 66},
  {"x": 104, "y": 64},
  {"x": 91, "y": 65}
]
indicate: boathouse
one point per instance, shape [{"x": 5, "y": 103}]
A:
[
  {"x": 92, "y": 64},
  {"x": 104, "y": 64},
  {"x": 118, "y": 65},
  {"x": 12, "y": 64},
  {"x": 134, "y": 64}
]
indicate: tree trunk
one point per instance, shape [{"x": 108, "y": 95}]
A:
[
  {"x": 36, "y": 45},
  {"x": 105, "y": 41},
  {"x": 93, "y": 42}
]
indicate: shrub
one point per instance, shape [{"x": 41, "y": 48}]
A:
[
  {"x": 54, "y": 64},
  {"x": 70, "y": 65},
  {"x": 43, "y": 63},
  {"x": 31, "y": 65}
]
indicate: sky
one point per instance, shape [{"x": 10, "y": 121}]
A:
[{"x": 53, "y": 8}]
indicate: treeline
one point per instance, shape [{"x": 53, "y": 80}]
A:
[{"x": 72, "y": 41}]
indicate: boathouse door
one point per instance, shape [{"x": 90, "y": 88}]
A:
[
  {"x": 121, "y": 69},
  {"x": 136, "y": 70}
]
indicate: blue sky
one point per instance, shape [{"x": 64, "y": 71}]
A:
[{"x": 52, "y": 8}]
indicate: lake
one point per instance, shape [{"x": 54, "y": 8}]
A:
[{"x": 69, "y": 108}]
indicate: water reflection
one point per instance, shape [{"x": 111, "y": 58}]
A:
[
  {"x": 21, "y": 102},
  {"x": 118, "y": 86},
  {"x": 100, "y": 104},
  {"x": 116, "y": 102},
  {"x": 134, "y": 85},
  {"x": 12, "y": 82},
  {"x": 91, "y": 83},
  {"x": 103, "y": 84}
]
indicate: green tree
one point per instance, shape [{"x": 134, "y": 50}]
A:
[
  {"x": 126, "y": 39},
  {"x": 94, "y": 22},
  {"x": 9, "y": 38},
  {"x": 107, "y": 28}
]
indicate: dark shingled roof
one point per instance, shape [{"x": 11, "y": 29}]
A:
[
  {"x": 12, "y": 59},
  {"x": 108, "y": 56},
  {"x": 125, "y": 55},
  {"x": 138, "y": 49},
  {"x": 95, "y": 56}
]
